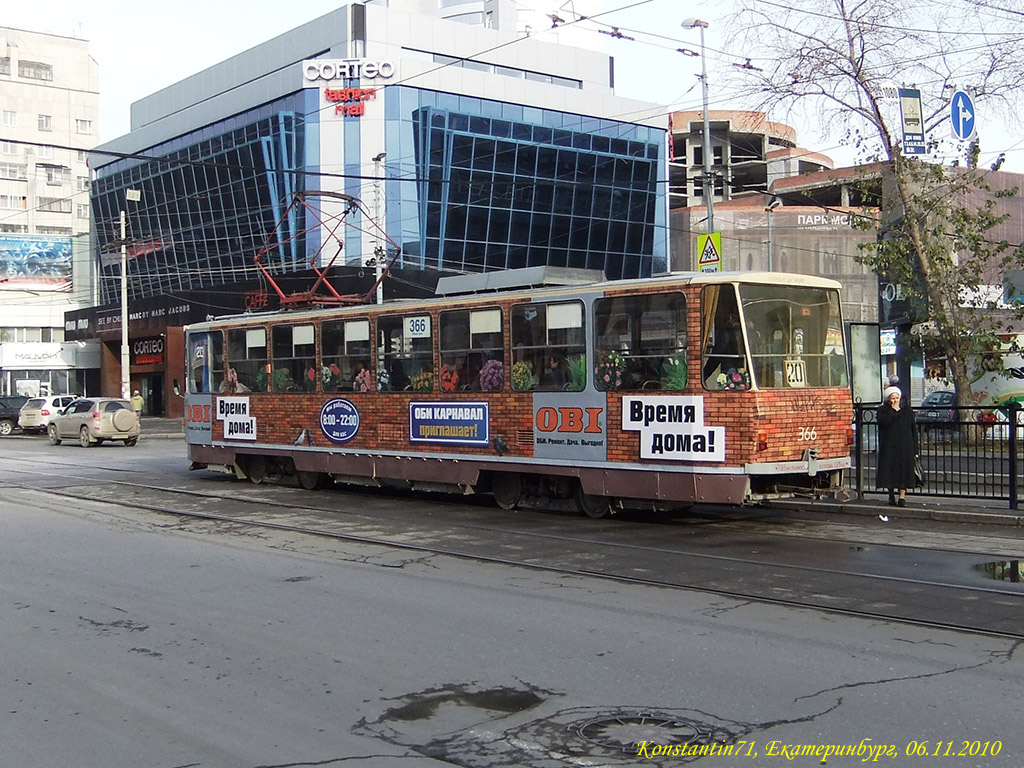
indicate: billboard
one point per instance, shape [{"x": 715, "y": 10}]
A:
[{"x": 35, "y": 263}]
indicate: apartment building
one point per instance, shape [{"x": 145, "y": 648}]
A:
[{"x": 50, "y": 107}]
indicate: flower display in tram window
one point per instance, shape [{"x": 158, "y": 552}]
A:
[
  {"x": 281, "y": 379},
  {"x": 332, "y": 378},
  {"x": 674, "y": 373},
  {"x": 522, "y": 377},
  {"x": 364, "y": 381},
  {"x": 449, "y": 378},
  {"x": 609, "y": 368},
  {"x": 492, "y": 376},
  {"x": 423, "y": 381},
  {"x": 383, "y": 380},
  {"x": 734, "y": 379}
]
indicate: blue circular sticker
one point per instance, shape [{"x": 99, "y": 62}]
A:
[{"x": 339, "y": 420}]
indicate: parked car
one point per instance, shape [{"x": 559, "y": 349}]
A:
[
  {"x": 10, "y": 405},
  {"x": 37, "y": 413},
  {"x": 91, "y": 420},
  {"x": 939, "y": 410}
]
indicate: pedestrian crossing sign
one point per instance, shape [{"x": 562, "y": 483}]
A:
[{"x": 709, "y": 250}]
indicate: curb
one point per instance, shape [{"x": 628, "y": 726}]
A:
[{"x": 944, "y": 515}]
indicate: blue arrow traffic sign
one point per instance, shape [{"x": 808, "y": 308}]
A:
[{"x": 962, "y": 116}]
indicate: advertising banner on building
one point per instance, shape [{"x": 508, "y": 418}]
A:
[{"x": 35, "y": 263}]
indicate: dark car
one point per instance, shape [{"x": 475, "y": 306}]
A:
[
  {"x": 10, "y": 406},
  {"x": 939, "y": 409}
]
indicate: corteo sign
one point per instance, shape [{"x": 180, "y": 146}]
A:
[
  {"x": 315, "y": 71},
  {"x": 148, "y": 351}
]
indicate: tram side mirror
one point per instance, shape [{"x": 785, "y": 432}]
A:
[{"x": 177, "y": 389}]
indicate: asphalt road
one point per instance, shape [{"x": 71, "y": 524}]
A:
[{"x": 133, "y": 638}]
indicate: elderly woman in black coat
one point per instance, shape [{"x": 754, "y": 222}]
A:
[{"x": 897, "y": 446}]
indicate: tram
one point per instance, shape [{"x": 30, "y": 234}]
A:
[{"x": 538, "y": 386}]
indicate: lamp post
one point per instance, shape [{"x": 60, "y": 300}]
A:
[
  {"x": 772, "y": 205},
  {"x": 378, "y": 250},
  {"x": 133, "y": 196},
  {"x": 708, "y": 186}
]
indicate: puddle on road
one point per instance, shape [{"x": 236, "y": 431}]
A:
[
  {"x": 1003, "y": 570},
  {"x": 424, "y": 706}
]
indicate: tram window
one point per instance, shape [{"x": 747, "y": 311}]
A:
[
  {"x": 472, "y": 351},
  {"x": 246, "y": 366},
  {"x": 293, "y": 363},
  {"x": 205, "y": 361},
  {"x": 724, "y": 361},
  {"x": 405, "y": 353},
  {"x": 795, "y": 335},
  {"x": 640, "y": 342},
  {"x": 345, "y": 356},
  {"x": 548, "y": 348}
]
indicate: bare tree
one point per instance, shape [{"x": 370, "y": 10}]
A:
[{"x": 845, "y": 61}]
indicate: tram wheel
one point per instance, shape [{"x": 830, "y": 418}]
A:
[
  {"x": 256, "y": 468},
  {"x": 507, "y": 489},
  {"x": 309, "y": 480},
  {"x": 594, "y": 507}
]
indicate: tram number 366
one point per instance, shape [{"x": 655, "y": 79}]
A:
[{"x": 808, "y": 433}]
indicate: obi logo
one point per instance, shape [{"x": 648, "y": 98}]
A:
[
  {"x": 339, "y": 420},
  {"x": 199, "y": 413},
  {"x": 586, "y": 420}
]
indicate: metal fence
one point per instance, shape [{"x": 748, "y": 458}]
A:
[{"x": 965, "y": 452}]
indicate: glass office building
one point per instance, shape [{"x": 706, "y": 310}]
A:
[
  {"x": 490, "y": 186},
  {"x": 206, "y": 206},
  {"x": 502, "y": 186},
  {"x": 470, "y": 162}
]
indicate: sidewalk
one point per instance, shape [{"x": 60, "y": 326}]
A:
[
  {"x": 159, "y": 427},
  {"x": 938, "y": 508}
]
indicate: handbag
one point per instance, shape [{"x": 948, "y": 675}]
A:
[{"x": 918, "y": 473}]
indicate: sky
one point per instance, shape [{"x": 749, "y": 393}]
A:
[{"x": 143, "y": 47}]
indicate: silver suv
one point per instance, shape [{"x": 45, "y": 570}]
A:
[
  {"x": 94, "y": 419},
  {"x": 37, "y": 413}
]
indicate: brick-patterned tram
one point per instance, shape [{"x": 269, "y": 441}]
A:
[{"x": 726, "y": 388}]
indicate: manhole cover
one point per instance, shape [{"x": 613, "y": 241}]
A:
[{"x": 627, "y": 732}]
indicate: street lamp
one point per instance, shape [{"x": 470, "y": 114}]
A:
[
  {"x": 708, "y": 187},
  {"x": 772, "y": 205},
  {"x": 378, "y": 250},
  {"x": 131, "y": 196}
]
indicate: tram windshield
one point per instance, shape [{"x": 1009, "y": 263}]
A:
[{"x": 793, "y": 335}]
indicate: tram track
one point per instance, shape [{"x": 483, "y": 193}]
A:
[{"x": 545, "y": 546}]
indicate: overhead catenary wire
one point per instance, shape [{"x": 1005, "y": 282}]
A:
[{"x": 349, "y": 176}]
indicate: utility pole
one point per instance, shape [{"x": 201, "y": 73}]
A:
[
  {"x": 378, "y": 250},
  {"x": 131, "y": 195},
  {"x": 709, "y": 190},
  {"x": 772, "y": 205}
]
